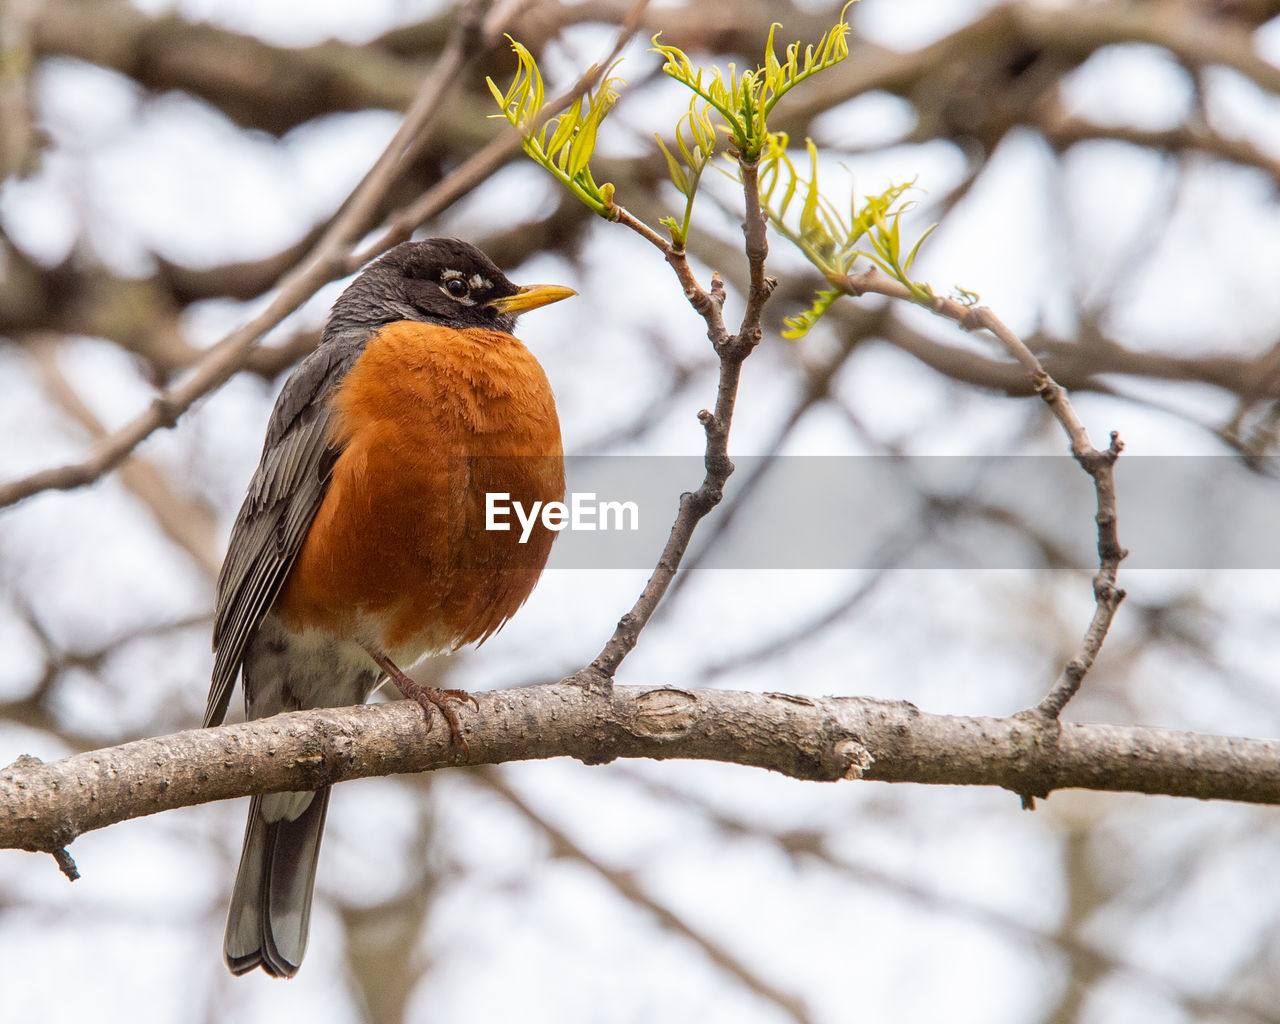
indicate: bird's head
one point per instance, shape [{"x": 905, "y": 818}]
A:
[{"x": 439, "y": 281}]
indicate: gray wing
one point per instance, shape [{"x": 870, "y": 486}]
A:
[{"x": 284, "y": 496}]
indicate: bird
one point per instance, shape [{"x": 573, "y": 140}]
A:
[{"x": 361, "y": 544}]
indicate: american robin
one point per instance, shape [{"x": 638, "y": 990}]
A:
[{"x": 361, "y": 545}]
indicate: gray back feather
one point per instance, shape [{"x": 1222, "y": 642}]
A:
[{"x": 284, "y": 496}]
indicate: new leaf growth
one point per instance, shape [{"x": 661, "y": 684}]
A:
[
  {"x": 561, "y": 143},
  {"x": 746, "y": 100},
  {"x": 830, "y": 240}
]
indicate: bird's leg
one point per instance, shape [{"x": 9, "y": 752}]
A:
[{"x": 428, "y": 697}]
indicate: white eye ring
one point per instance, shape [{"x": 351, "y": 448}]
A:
[{"x": 456, "y": 287}]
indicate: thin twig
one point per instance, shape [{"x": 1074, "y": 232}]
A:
[
  {"x": 18, "y": 137},
  {"x": 732, "y": 351},
  {"x": 1100, "y": 465},
  {"x": 326, "y": 262},
  {"x": 818, "y": 848},
  {"x": 819, "y": 380},
  {"x": 331, "y": 257},
  {"x": 489, "y": 158},
  {"x": 185, "y": 522}
]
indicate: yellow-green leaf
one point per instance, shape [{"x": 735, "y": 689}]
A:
[{"x": 678, "y": 177}]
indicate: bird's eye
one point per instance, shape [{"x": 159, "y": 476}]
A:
[{"x": 457, "y": 287}]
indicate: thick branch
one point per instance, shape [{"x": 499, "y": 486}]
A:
[
  {"x": 228, "y": 69},
  {"x": 46, "y": 806}
]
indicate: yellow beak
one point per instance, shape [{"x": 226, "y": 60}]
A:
[{"x": 531, "y": 296}]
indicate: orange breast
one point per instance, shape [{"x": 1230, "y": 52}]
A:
[{"x": 429, "y": 420}]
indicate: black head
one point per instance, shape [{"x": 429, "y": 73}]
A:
[{"x": 436, "y": 281}]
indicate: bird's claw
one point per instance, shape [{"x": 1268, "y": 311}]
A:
[{"x": 429, "y": 697}]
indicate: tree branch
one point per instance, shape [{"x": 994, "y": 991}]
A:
[
  {"x": 325, "y": 263},
  {"x": 626, "y": 885},
  {"x": 804, "y": 847},
  {"x": 732, "y": 351},
  {"x": 228, "y": 69},
  {"x": 1099, "y": 464},
  {"x": 43, "y": 807}
]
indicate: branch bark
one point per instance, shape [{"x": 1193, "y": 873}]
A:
[{"x": 43, "y": 807}]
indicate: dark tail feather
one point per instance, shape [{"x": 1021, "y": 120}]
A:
[{"x": 271, "y": 903}]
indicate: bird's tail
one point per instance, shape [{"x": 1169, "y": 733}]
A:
[{"x": 271, "y": 903}]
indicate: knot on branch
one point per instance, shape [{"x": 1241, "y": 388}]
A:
[
  {"x": 719, "y": 466},
  {"x": 735, "y": 348},
  {"x": 662, "y": 714},
  {"x": 704, "y": 499},
  {"x": 975, "y": 318},
  {"x": 1105, "y": 592},
  {"x": 718, "y": 293},
  {"x": 1095, "y": 462},
  {"x": 593, "y": 679},
  {"x": 1046, "y": 387},
  {"x": 166, "y": 411},
  {"x": 20, "y": 762},
  {"x": 855, "y": 757},
  {"x": 1043, "y": 730}
]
